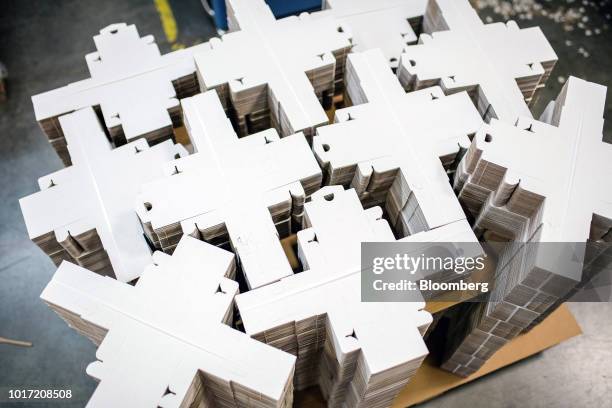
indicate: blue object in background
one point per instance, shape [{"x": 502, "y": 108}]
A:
[{"x": 280, "y": 8}]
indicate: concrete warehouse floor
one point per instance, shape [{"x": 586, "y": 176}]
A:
[{"x": 43, "y": 44}]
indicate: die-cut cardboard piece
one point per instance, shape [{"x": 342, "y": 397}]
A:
[
  {"x": 544, "y": 187},
  {"x": 397, "y": 142},
  {"x": 386, "y": 24},
  {"x": 85, "y": 213},
  {"x": 166, "y": 342},
  {"x": 230, "y": 186},
  {"x": 320, "y": 310},
  {"x": 565, "y": 186},
  {"x": 283, "y": 66},
  {"x": 133, "y": 87},
  {"x": 500, "y": 65}
]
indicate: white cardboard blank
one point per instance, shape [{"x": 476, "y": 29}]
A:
[
  {"x": 365, "y": 341},
  {"x": 281, "y": 65},
  {"x": 165, "y": 341},
  {"x": 501, "y": 65},
  {"x": 234, "y": 184},
  {"x": 96, "y": 193},
  {"x": 135, "y": 87},
  {"x": 386, "y": 24},
  {"x": 561, "y": 167},
  {"x": 390, "y": 129},
  {"x": 544, "y": 187},
  {"x": 516, "y": 189}
]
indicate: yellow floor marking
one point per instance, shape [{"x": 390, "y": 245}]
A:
[{"x": 168, "y": 23}]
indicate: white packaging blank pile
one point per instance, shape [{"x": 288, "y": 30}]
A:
[
  {"x": 419, "y": 167},
  {"x": 391, "y": 146},
  {"x": 370, "y": 350},
  {"x": 165, "y": 342},
  {"x": 552, "y": 203},
  {"x": 133, "y": 87},
  {"x": 84, "y": 213},
  {"x": 500, "y": 65},
  {"x": 273, "y": 72},
  {"x": 230, "y": 186},
  {"x": 386, "y": 24}
]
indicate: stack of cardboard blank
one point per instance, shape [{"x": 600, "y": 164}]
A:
[
  {"x": 166, "y": 342},
  {"x": 232, "y": 187},
  {"x": 386, "y": 24},
  {"x": 500, "y": 65},
  {"x": 133, "y": 87},
  {"x": 274, "y": 72},
  {"x": 392, "y": 146},
  {"x": 360, "y": 354},
  {"x": 549, "y": 205},
  {"x": 85, "y": 213}
]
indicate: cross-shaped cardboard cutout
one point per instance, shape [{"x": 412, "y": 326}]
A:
[
  {"x": 397, "y": 141},
  {"x": 357, "y": 352},
  {"x": 165, "y": 342},
  {"x": 231, "y": 186},
  {"x": 517, "y": 178},
  {"x": 85, "y": 213},
  {"x": 545, "y": 186},
  {"x": 133, "y": 87},
  {"x": 386, "y": 24},
  {"x": 500, "y": 65},
  {"x": 283, "y": 66}
]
